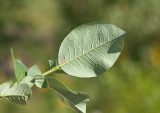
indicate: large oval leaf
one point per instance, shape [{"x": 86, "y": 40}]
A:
[{"x": 91, "y": 49}]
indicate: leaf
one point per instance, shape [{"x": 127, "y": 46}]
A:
[
  {"x": 19, "y": 67},
  {"x": 90, "y": 49},
  {"x": 5, "y": 86},
  {"x": 18, "y": 94},
  {"x": 29, "y": 80},
  {"x": 52, "y": 63},
  {"x": 75, "y": 100},
  {"x": 41, "y": 81},
  {"x": 33, "y": 71}
]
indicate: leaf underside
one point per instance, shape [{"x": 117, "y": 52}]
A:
[
  {"x": 75, "y": 100},
  {"x": 18, "y": 94},
  {"x": 90, "y": 49},
  {"x": 33, "y": 71},
  {"x": 40, "y": 80},
  {"x": 29, "y": 80},
  {"x": 5, "y": 86}
]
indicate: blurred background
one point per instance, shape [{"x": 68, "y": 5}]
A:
[{"x": 36, "y": 28}]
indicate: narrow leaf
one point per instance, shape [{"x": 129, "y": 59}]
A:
[
  {"x": 19, "y": 67},
  {"x": 90, "y": 49},
  {"x": 18, "y": 94},
  {"x": 75, "y": 100}
]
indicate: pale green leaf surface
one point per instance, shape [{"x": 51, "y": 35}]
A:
[
  {"x": 75, "y": 100},
  {"x": 5, "y": 86},
  {"x": 18, "y": 94},
  {"x": 90, "y": 49},
  {"x": 33, "y": 71},
  {"x": 19, "y": 67},
  {"x": 41, "y": 81},
  {"x": 29, "y": 80}
]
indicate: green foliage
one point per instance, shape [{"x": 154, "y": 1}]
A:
[
  {"x": 40, "y": 80},
  {"x": 52, "y": 63},
  {"x": 19, "y": 67},
  {"x": 5, "y": 86},
  {"x": 21, "y": 92},
  {"x": 89, "y": 50},
  {"x": 30, "y": 80},
  {"x": 18, "y": 94},
  {"x": 35, "y": 29},
  {"x": 76, "y": 100},
  {"x": 34, "y": 71}
]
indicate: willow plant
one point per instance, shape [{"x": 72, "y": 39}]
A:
[{"x": 87, "y": 51}]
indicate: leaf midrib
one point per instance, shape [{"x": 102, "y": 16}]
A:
[{"x": 85, "y": 53}]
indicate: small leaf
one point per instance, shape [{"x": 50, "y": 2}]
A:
[
  {"x": 52, "y": 63},
  {"x": 19, "y": 67},
  {"x": 33, "y": 71},
  {"x": 18, "y": 94},
  {"x": 75, "y": 100},
  {"x": 29, "y": 80},
  {"x": 90, "y": 49},
  {"x": 41, "y": 81}
]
